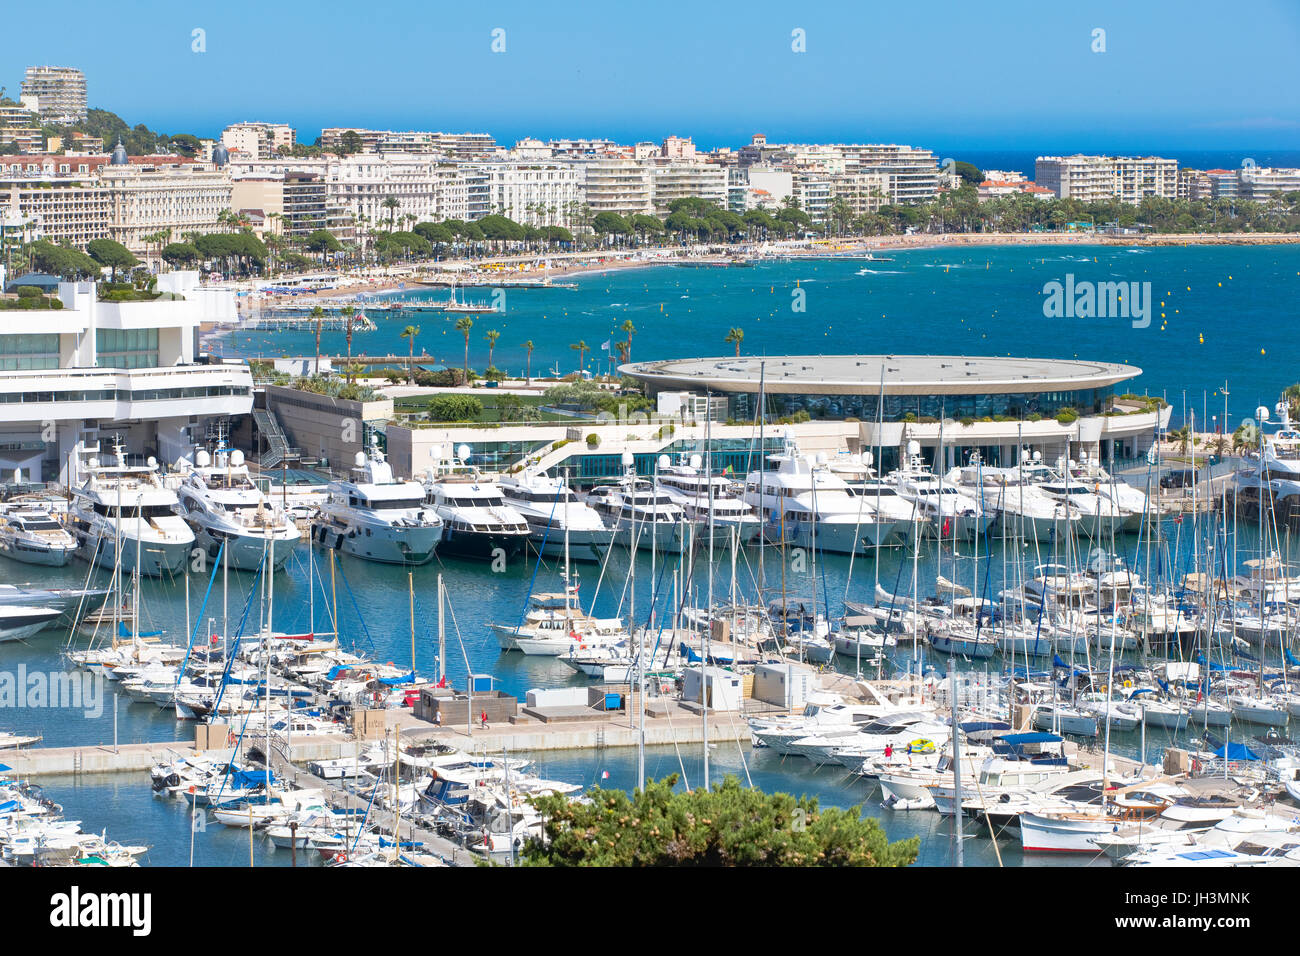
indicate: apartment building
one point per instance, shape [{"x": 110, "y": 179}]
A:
[
  {"x": 1129, "y": 179},
  {"x": 61, "y": 196},
  {"x": 258, "y": 140},
  {"x": 56, "y": 93},
  {"x": 617, "y": 185},
  {"x": 538, "y": 193},
  {"x": 671, "y": 180},
  {"x": 93, "y": 370},
  {"x": 1261, "y": 182},
  {"x": 456, "y": 145}
]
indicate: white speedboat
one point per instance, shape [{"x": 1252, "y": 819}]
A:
[
  {"x": 477, "y": 521},
  {"x": 129, "y": 506},
  {"x": 555, "y": 514},
  {"x": 378, "y": 517},
  {"x": 221, "y": 503},
  {"x": 33, "y": 535}
]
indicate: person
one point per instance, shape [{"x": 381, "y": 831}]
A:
[
  {"x": 889, "y": 751},
  {"x": 483, "y": 717},
  {"x": 437, "y": 718}
]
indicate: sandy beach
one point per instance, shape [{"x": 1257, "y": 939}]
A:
[{"x": 576, "y": 264}]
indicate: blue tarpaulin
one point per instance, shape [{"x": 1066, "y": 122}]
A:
[
  {"x": 124, "y": 631},
  {"x": 1231, "y": 751},
  {"x": 1031, "y": 738},
  {"x": 407, "y": 678},
  {"x": 247, "y": 779}
]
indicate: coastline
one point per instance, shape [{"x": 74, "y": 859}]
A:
[{"x": 582, "y": 264}]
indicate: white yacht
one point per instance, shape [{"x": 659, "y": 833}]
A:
[
  {"x": 858, "y": 474},
  {"x": 129, "y": 505},
  {"x": 554, "y": 513},
  {"x": 1023, "y": 510},
  {"x": 803, "y": 498},
  {"x": 377, "y": 516},
  {"x": 1131, "y": 501},
  {"x": 477, "y": 521},
  {"x": 639, "y": 515},
  {"x": 221, "y": 503},
  {"x": 700, "y": 494},
  {"x": 18, "y": 621},
  {"x": 34, "y": 535},
  {"x": 1099, "y": 517},
  {"x": 948, "y": 511}
]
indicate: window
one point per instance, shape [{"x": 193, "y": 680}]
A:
[
  {"x": 19, "y": 352},
  {"x": 127, "y": 348}
]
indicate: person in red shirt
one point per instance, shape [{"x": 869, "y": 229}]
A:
[{"x": 483, "y": 717}]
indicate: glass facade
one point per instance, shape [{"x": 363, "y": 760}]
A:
[
  {"x": 126, "y": 348},
  {"x": 866, "y": 407},
  {"x": 21, "y": 352},
  {"x": 739, "y": 454}
]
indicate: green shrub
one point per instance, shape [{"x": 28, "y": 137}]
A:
[
  {"x": 455, "y": 408},
  {"x": 593, "y": 440},
  {"x": 28, "y": 291},
  {"x": 1067, "y": 415}
]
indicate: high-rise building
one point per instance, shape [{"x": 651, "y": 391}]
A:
[
  {"x": 258, "y": 140},
  {"x": 56, "y": 93}
]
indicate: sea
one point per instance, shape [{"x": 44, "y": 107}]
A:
[
  {"x": 1241, "y": 300},
  {"x": 1220, "y": 316}
]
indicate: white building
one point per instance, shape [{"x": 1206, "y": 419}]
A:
[
  {"x": 75, "y": 377},
  {"x": 57, "y": 93},
  {"x": 1096, "y": 178},
  {"x": 535, "y": 193},
  {"x": 681, "y": 179},
  {"x": 258, "y": 140},
  {"x": 1260, "y": 182},
  {"x": 621, "y": 186}
]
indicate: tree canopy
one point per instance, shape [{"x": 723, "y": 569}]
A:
[{"x": 729, "y": 825}]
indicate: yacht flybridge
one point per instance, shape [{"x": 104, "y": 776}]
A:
[
  {"x": 947, "y": 510},
  {"x": 803, "y": 503},
  {"x": 32, "y": 534},
  {"x": 378, "y": 517},
  {"x": 128, "y": 507},
  {"x": 638, "y": 514},
  {"x": 221, "y": 503}
]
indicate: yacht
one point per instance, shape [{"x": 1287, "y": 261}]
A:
[
  {"x": 700, "y": 494},
  {"x": 948, "y": 511},
  {"x": 18, "y": 621},
  {"x": 221, "y": 503},
  {"x": 802, "y": 502},
  {"x": 555, "y": 514},
  {"x": 858, "y": 474},
  {"x": 377, "y": 517},
  {"x": 1129, "y": 499},
  {"x": 1023, "y": 509},
  {"x": 477, "y": 521},
  {"x": 1100, "y": 518},
  {"x": 129, "y": 505},
  {"x": 638, "y": 515},
  {"x": 34, "y": 535}
]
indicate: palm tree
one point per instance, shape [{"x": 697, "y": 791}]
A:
[
  {"x": 581, "y": 348},
  {"x": 528, "y": 375},
  {"x": 409, "y": 333},
  {"x": 492, "y": 335},
  {"x": 736, "y": 335},
  {"x": 348, "y": 313},
  {"x": 392, "y": 204},
  {"x": 463, "y": 325},
  {"x": 318, "y": 314},
  {"x": 630, "y": 329}
]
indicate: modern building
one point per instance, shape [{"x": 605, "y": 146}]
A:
[
  {"x": 987, "y": 404},
  {"x": 1129, "y": 179},
  {"x": 536, "y": 193},
  {"x": 621, "y": 186},
  {"x": 74, "y": 378},
  {"x": 454, "y": 145},
  {"x": 59, "y": 196},
  {"x": 1261, "y": 182},
  {"x": 671, "y": 180},
  {"x": 56, "y": 93},
  {"x": 295, "y": 201}
]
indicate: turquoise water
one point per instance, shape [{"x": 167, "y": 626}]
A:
[
  {"x": 958, "y": 300},
  {"x": 930, "y": 301}
]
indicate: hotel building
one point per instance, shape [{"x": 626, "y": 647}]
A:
[
  {"x": 1129, "y": 179},
  {"x": 57, "y": 93}
]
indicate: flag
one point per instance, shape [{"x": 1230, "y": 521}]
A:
[
  {"x": 605, "y": 346},
  {"x": 604, "y": 775}
]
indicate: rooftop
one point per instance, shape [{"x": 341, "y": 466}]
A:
[{"x": 860, "y": 374}]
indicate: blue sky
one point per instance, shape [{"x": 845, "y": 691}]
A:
[{"x": 1014, "y": 74}]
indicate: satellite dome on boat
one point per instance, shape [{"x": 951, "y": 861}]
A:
[{"x": 202, "y": 459}]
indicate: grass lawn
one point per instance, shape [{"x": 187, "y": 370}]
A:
[{"x": 490, "y": 399}]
